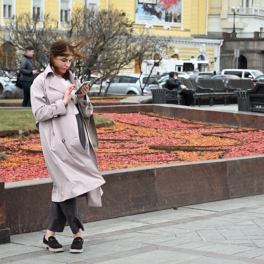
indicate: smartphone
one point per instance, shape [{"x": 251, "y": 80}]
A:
[{"x": 84, "y": 83}]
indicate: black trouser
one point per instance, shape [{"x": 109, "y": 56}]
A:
[
  {"x": 67, "y": 210},
  {"x": 26, "y": 87},
  {"x": 188, "y": 97},
  {"x": 62, "y": 211}
]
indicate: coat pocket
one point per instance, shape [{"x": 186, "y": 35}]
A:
[{"x": 66, "y": 147}]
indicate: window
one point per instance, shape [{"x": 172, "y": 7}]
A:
[
  {"x": 247, "y": 3},
  {"x": 65, "y": 11},
  {"x": 7, "y": 9},
  {"x": 91, "y": 4},
  {"x": 188, "y": 67},
  {"x": 36, "y": 9},
  {"x": 116, "y": 80},
  {"x": 124, "y": 79},
  {"x": 8, "y": 55},
  {"x": 238, "y": 73},
  {"x": 247, "y": 75},
  {"x": 150, "y": 80}
]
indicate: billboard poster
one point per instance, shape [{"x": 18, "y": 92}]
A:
[{"x": 158, "y": 11}]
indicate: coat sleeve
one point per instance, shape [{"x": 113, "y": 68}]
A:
[
  {"x": 86, "y": 106},
  {"x": 40, "y": 108},
  {"x": 23, "y": 67}
]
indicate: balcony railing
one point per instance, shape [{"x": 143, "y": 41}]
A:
[
  {"x": 245, "y": 35},
  {"x": 251, "y": 11}
]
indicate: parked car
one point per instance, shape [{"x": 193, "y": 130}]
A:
[
  {"x": 243, "y": 73},
  {"x": 11, "y": 91},
  {"x": 205, "y": 75},
  {"x": 225, "y": 78},
  {"x": 129, "y": 84},
  {"x": 260, "y": 78}
]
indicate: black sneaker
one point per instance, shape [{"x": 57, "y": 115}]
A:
[
  {"x": 52, "y": 244},
  {"x": 77, "y": 245}
]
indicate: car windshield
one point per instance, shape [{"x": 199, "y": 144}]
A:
[
  {"x": 163, "y": 79},
  {"x": 257, "y": 73},
  {"x": 150, "y": 80}
]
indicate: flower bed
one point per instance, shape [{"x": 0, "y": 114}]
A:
[{"x": 136, "y": 140}]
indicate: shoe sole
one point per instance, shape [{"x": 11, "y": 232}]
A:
[
  {"x": 55, "y": 250},
  {"x": 76, "y": 250}
]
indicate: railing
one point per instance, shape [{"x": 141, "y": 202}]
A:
[
  {"x": 246, "y": 35},
  {"x": 243, "y": 35},
  {"x": 261, "y": 35},
  {"x": 251, "y": 11}
]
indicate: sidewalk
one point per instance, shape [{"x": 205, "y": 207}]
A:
[{"x": 223, "y": 232}]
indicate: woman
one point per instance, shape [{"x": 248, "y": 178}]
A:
[
  {"x": 173, "y": 83},
  {"x": 66, "y": 144}
]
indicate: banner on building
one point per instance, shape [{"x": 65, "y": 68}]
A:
[{"x": 158, "y": 11}]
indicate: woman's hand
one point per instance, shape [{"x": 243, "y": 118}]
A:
[
  {"x": 67, "y": 95},
  {"x": 84, "y": 91}
]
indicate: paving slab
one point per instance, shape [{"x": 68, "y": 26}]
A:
[{"x": 226, "y": 232}]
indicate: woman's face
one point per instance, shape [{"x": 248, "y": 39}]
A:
[{"x": 63, "y": 63}]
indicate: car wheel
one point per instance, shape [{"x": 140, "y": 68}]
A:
[
  {"x": 131, "y": 93},
  {"x": 1, "y": 88}
]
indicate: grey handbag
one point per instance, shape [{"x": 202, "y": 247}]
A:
[{"x": 92, "y": 130}]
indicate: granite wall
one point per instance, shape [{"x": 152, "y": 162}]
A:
[
  {"x": 4, "y": 232},
  {"x": 139, "y": 190}
]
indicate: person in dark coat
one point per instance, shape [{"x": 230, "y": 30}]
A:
[
  {"x": 174, "y": 84},
  {"x": 27, "y": 74}
]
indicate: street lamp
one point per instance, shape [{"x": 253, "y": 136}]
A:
[{"x": 233, "y": 9}]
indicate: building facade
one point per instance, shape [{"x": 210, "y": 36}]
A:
[
  {"x": 185, "y": 21},
  {"x": 246, "y": 15}
]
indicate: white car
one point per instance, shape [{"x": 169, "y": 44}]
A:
[
  {"x": 5, "y": 81},
  {"x": 129, "y": 84},
  {"x": 7, "y": 78},
  {"x": 11, "y": 91}
]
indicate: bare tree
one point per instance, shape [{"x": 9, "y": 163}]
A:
[
  {"x": 110, "y": 41},
  {"x": 155, "y": 50},
  {"x": 38, "y": 32}
]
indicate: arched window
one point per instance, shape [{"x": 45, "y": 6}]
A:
[
  {"x": 156, "y": 56},
  {"x": 7, "y": 55},
  {"x": 175, "y": 56},
  {"x": 201, "y": 58},
  {"x": 138, "y": 63},
  {"x": 242, "y": 62}
]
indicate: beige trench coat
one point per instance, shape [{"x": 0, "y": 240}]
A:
[{"x": 74, "y": 171}]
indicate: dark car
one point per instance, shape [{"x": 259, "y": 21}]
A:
[
  {"x": 225, "y": 78},
  {"x": 260, "y": 78}
]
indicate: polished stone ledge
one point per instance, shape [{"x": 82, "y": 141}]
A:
[{"x": 138, "y": 190}]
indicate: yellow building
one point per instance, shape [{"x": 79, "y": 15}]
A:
[{"x": 186, "y": 21}]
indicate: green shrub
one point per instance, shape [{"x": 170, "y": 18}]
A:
[{"x": 3, "y": 156}]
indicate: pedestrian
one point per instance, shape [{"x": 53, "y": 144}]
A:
[
  {"x": 174, "y": 84},
  {"x": 195, "y": 75},
  {"x": 27, "y": 74},
  {"x": 66, "y": 143}
]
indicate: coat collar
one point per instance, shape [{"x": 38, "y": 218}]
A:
[{"x": 56, "y": 82}]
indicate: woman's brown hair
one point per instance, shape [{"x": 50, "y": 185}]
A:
[{"x": 65, "y": 47}]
